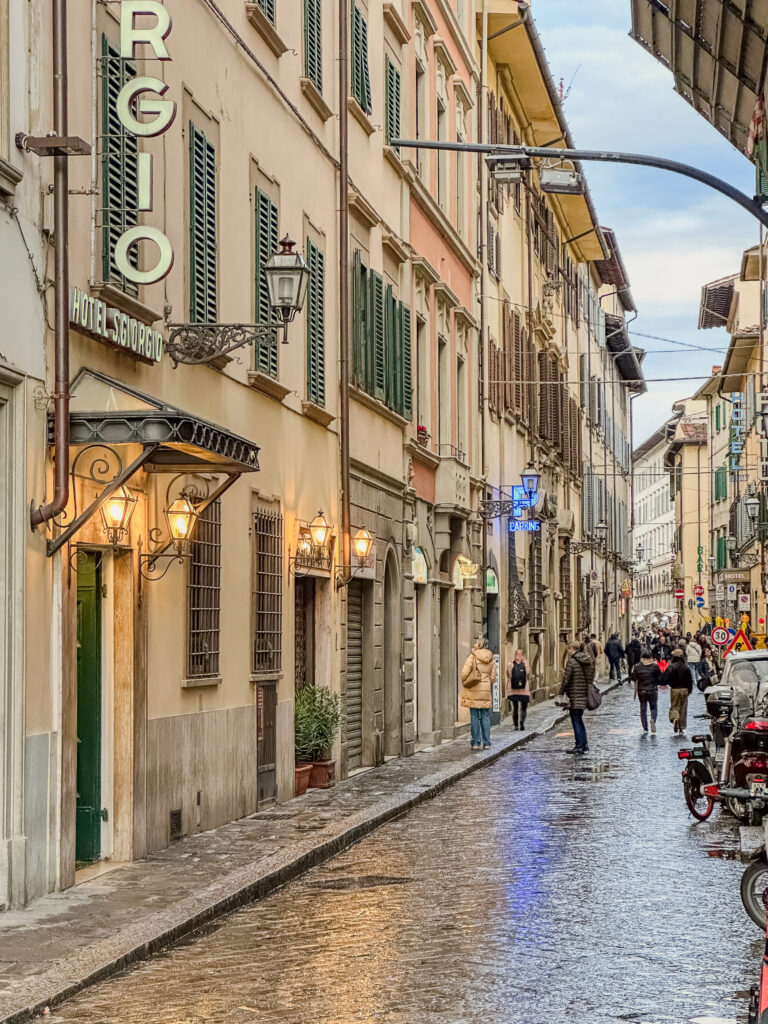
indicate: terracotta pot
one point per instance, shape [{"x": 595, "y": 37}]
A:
[
  {"x": 323, "y": 775},
  {"x": 301, "y": 774}
]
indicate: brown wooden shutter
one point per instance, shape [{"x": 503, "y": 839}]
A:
[
  {"x": 543, "y": 364},
  {"x": 518, "y": 365}
]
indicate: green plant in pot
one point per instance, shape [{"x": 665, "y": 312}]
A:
[{"x": 317, "y": 720}]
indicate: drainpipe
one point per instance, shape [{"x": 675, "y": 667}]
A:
[
  {"x": 344, "y": 279},
  {"x": 482, "y": 90},
  {"x": 61, "y": 277}
]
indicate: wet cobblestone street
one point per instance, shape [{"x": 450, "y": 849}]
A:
[{"x": 540, "y": 889}]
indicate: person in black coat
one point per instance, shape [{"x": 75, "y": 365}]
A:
[
  {"x": 614, "y": 652},
  {"x": 634, "y": 653},
  {"x": 678, "y": 679},
  {"x": 646, "y": 676},
  {"x": 579, "y": 673}
]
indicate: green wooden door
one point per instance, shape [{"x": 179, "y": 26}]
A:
[{"x": 88, "y": 830}]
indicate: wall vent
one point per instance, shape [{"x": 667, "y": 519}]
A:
[{"x": 176, "y": 824}]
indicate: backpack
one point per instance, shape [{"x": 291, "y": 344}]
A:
[{"x": 518, "y": 677}]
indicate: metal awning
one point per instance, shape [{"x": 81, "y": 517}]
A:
[
  {"x": 625, "y": 356},
  {"x": 106, "y": 411}
]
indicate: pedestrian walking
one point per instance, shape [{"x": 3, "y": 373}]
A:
[
  {"x": 662, "y": 652},
  {"x": 519, "y": 688},
  {"x": 578, "y": 674},
  {"x": 477, "y": 678},
  {"x": 707, "y": 671},
  {"x": 614, "y": 651},
  {"x": 693, "y": 652},
  {"x": 634, "y": 653},
  {"x": 678, "y": 678},
  {"x": 646, "y": 676}
]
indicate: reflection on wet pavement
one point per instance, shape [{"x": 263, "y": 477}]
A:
[{"x": 541, "y": 889}]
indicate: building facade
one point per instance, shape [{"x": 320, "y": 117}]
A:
[{"x": 654, "y": 530}]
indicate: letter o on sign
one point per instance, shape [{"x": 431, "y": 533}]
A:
[{"x": 132, "y": 237}]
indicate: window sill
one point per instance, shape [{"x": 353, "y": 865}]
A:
[
  {"x": 422, "y": 454},
  {"x": 113, "y": 296},
  {"x": 360, "y": 116},
  {"x": 363, "y": 209},
  {"x": 391, "y": 155},
  {"x": 363, "y": 398},
  {"x": 10, "y": 177},
  {"x": 317, "y": 413},
  {"x": 267, "y": 385},
  {"x": 315, "y": 98},
  {"x": 193, "y": 684},
  {"x": 266, "y": 677},
  {"x": 265, "y": 28}
]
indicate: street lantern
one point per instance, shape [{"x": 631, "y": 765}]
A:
[
  {"x": 731, "y": 543},
  {"x": 712, "y": 561},
  {"x": 287, "y": 277},
  {"x": 116, "y": 513},
  {"x": 752, "y": 505},
  {"x": 181, "y": 517},
  {"x": 639, "y": 552},
  {"x": 363, "y": 542},
  {"x": 601, "y": 527},
  {"x": 649, "y": 566},
  {"x": 319, "y": 528},
  {"x": 530, "y": 480}
]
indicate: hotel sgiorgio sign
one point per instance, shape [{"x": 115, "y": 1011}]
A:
[
  {"x": 97, "y": 320},
  {"x": 143, "y": 96}
]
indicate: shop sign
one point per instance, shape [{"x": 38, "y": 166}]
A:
[
  {"x": 524, "y": 526},
  {"x": 419, "y": 566},
  {"x": 622, "y": 607},
  {"x": 734, "y": 576},
  {"x": 699, "y": 559},
  {"x": 96, "y": 319},
  {"x": 143, "y": 95},
  {"x": 491, "y": 582}
]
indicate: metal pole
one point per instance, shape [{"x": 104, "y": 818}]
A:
[
  {"x": 344, "y": 280},
  {"x": 513, "y": 153},
  {"x": 481, "y": 121},
  {"x": 61, "y": 277}
]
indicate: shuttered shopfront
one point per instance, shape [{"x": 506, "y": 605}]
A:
[{"x": 354, "y": 675}]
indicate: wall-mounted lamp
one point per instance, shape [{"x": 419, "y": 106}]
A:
[
  {"x": 362, "y": 545},
  {"x": 116, "y": 514},
  {"x": 181, "y": 517}
]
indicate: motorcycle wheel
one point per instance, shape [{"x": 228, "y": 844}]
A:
[
  {"x": 754, "y": 882},
  {"x": 696, "y": 777}
]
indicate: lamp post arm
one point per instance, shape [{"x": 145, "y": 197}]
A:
[{"x": 503, "y": 154}]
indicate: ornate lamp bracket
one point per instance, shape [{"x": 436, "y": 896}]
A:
[{"x": 193, "y": 344}]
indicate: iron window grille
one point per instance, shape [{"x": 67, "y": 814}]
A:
[
  {"x": 536, "y": 592},
  {"x": 565, "y": 585},
  {"x": 204, "y": 596},
  {"x": 267, "y": 597}
]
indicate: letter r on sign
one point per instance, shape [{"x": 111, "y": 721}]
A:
[{"x": 131, "y": 37}]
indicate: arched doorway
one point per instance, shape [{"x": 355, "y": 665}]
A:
[{"x": 392, "y": 659}]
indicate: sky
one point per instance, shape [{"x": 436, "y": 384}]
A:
[{"x": 674, "y": 234}]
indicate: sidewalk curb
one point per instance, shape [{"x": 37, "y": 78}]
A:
[{"x": 243, "y": 891}]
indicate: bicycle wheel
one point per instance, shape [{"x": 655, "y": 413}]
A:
[
  {"x": 754, "y": 882},
  {"x": 695, "y": 778}
]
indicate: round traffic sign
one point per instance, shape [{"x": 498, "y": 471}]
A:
[
  {"x": 679, "y": 594},
  {"x": 720, "y": 636},
  {"x": 699, "y": 602},
  {"x": 698, "y": 590}
]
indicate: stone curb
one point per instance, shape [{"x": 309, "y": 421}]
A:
[{"x": 242, "y": 886}]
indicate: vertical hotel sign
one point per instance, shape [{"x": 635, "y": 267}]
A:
[{"x": 144, "y": 23}]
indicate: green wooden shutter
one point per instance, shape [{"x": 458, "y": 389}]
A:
[
  {"x": 202, "y": 228},
  {"x": 392, "y": 102},
  {"x": 359, "y": 318},
  {"x": 361, "y": 81},
  {"x": 405, "y": 340},
  {"x": 266, "y": 245},
  {"x": 268, "y": 9},
  {"x": 377, "y": 375},
  {"x": 316, "y": 325},
  {"x": 119, "y": 167},
  {"x": 313, "y": 49}
]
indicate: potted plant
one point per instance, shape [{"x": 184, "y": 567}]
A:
[
  {"x": 317, "y": 719},
  {"x": 422, "y": 436}
]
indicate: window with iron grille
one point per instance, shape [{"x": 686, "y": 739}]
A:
[
  {"x": 266, "y": 229},
  {"x": 566, "y": 618},
  {"x": 119, "y": 167},
  {"x": 313, "y": 42},
  {"x": 316, "y": 325},
  {"x": 204, "y": 595},
  {"x": 202, "y": 229},
  {"x": 392, "y": 110},
  {"x": 361, "y": 79},
  {"x": 267, "y": 598},
  {"x": 536, "y": 592},
  {"x": 268, "y": 9}
]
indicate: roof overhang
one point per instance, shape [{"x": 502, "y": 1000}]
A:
[
  {"x": 535, "y": 91},
  {"x": 613, "y": 272},
  {"x": 734, "y": 374},
  {"x": 716, "y": 51},
  {"x": 106, "y": 411},
  {"x": 618, "y": 344}
]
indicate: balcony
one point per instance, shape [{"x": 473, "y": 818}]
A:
[{"x": 452, "y": 479}]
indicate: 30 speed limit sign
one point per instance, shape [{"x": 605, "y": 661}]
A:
[{"x": 720, "y": 636}]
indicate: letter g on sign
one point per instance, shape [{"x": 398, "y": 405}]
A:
[{"x": 164, "y": 111}]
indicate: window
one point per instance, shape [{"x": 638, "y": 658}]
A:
[
  {"x": 382, "y": 340},
  {"x": 722, "y": 553},
  {"x": 119, "y": 168},
  {"x": 202, "y": 228},
  {"x": 443, "y": 393},
  {"x": 461, "y": 405},
  {"x": 316, "y": 325},
  {"x": 422, "y": 375},
  {"x": 267, "y": 601},
  {"x": 268, "y": 9},
  {"x": 266, "y": 358},
  {"x": 313, "y": 42},
  {"x": 421, "y": 116},
  {"x": 442, "y": 156},
  {"x": 361, "y": 79},
  {"x": 204, "y": 596},
  {"x": 461, "y": 173},
  {"x": 392, "y": 118},
  {"x": 721, "y": 483}
]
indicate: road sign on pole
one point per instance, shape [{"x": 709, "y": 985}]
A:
[
  {"x": 699, "y": 602},
  {"x": 740, "y": 642},
  {"x": 679, "y": 594},
  {"x": 698, "y": 590},
  {"x": 719, "y": 635}
]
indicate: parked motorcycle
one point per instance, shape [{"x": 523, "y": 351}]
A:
[{"x": 704, "y": 761}]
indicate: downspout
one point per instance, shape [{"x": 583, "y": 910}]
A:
[
  {"x": 344, "y": 280},
  {"x": 61, "y": 277},
  {"x": 483, "y": 243}
]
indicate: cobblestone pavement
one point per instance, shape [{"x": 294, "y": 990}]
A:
[
  {"x": 541, "y": 889},
  {"x": 82, "y": 935}
]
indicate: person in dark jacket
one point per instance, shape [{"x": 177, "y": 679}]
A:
[
  {"x": 662, "y": 652},
  {"x": 579, "y": 673},
  {"x": 707, "y": 671},
  {"x": 646, "y": 676},
  {"x": 634, "y": 653},
  {"x": 678, "y": 679},
  {"x": 614, "y": 652}
]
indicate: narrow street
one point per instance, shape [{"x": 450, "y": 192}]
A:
[{"x": 540, "y": 889}]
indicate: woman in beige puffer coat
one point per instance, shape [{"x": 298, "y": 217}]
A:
[{"x": 477, "y": 679}]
